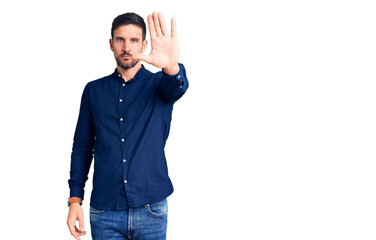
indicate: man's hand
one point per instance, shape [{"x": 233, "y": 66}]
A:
[
  {"x": 164, "y": 48},
  {"x": 76, "y": 213}
]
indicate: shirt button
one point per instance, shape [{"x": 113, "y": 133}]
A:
[
  {"x": 122, "y": 139},
  {"x": 125, "y": 181},
  {"x": 121, "y": 100},
  {"x": 124, "y": 160},
  {"x": 119, "y": 75},
  {"x": 123, "y": 84},
  {"x": 178, "y": 76},
  {"x": 121, "y": 119}
]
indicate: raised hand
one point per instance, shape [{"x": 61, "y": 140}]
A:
[{"x": 164, "y": 48}]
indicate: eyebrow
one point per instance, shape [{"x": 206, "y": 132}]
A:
[{"x": 131, "y": 38}]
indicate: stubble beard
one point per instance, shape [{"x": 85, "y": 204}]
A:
[{"x": 127, "y": 65}]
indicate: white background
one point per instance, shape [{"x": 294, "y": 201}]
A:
[{"x": 274, "y": 139}]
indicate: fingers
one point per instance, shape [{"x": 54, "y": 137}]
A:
[
  {"x": 79, "y": 232},
  {"x": 156, "y": 24},
  {"x": 75, "y": 231},
  {"x": 158, "y": 27},
  {"x": 173, "y": 28},
  {"x": 81, "y": 223},
  {"x": 163, "y": 24},
  {"x": 72, "y": 230},
  {"x": 72, "y": 225},
  {"x": 153, "y": 34}
]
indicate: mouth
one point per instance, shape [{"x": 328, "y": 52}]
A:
[{"x": 126, "y": 56}]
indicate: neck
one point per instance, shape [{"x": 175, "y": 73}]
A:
[{"x": 129, "y": 73}]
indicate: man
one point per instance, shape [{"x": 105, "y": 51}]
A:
[{"x": 124, "y": 121}]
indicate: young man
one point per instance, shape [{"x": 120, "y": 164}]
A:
[{"x": 124, "y": 122}]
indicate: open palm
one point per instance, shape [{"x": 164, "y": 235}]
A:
[{"x": 164, "y": 48}]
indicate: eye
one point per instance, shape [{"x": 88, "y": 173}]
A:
[
  {"x": 134, "y": 40},
  {"x": 119, "y": 39}
]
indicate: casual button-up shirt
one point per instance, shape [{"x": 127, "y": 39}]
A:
[{"x": 124, "y": 125}]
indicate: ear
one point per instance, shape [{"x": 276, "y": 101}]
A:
[
  {"x": 144, "y": 45},
  {"x": 111, "y": 47}
]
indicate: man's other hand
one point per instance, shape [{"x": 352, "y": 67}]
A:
[{"x": 76, "y": 213}]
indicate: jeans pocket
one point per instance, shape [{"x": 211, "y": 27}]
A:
[
  {"x": 158, "y": 209},
  {"x": 96, "y": 211}
]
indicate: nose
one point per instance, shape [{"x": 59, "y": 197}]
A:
[{"x": 126, "y": 45}]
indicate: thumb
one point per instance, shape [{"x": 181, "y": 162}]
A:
[
  {"x": 143, "y": 57},
  {"x": 81, "y": 223}
]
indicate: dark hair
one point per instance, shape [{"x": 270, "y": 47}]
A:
[{"x": 129, "y": 18}]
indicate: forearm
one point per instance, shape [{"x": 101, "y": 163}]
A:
[
  {"x": 173, "y": 86},
  {"x": 82, "y": 150},
  {"x": 81, "y": 159},
  {"x": 172, "y": 69}
]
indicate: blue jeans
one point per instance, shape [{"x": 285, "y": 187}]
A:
[{"x": 148, "y": 222}]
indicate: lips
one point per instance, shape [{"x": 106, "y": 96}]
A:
[{"x": 125, "y": 55}]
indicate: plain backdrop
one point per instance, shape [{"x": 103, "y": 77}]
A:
[{"x": 274, "y": 139}]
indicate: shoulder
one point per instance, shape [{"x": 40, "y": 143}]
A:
[
  {"x": 93, "y": 85},
  {"x": 99, "y": 80}
]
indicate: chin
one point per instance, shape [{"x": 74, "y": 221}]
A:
[{"x": 128, "y": 64}]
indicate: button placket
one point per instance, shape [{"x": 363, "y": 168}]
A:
[{"x": 122, "y": 121}]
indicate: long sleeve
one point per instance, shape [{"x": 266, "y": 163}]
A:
[
  {"x": 82, "y": 150},
  {"x": 173, "y": 87}
]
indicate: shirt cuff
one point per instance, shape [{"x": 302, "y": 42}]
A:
[
  {"x": 178, "y": 77},
  {"x": 77, "y": 193}
]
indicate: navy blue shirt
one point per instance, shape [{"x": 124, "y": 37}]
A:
[{"x": 124, "y": 126}]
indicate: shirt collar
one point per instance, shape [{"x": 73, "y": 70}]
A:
[{"x": 118, "y": 76}]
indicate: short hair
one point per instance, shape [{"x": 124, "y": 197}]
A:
[{"x": 129, "y": 18}]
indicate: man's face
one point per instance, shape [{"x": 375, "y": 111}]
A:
[{"x": 127, "y": 40}]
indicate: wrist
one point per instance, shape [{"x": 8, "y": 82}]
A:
[
  {"x": 74, "y": 204},
  {"x": 74, "y": 200},
  {"x": 171, "y": 69}
]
